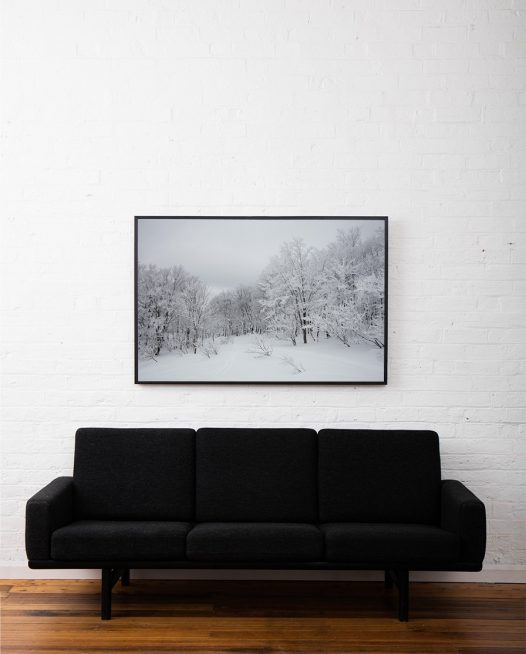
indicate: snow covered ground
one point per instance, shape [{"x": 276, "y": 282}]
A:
[{"x": 238, "y": 360}]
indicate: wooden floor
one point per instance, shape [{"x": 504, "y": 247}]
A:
[{"x": 256, "y": 617}]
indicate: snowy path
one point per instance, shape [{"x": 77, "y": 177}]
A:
[{"x": 327, "y": 360}]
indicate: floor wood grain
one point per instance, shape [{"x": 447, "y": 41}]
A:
[{"x": 258, "y": 617}]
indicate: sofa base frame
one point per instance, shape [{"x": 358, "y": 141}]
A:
[{"x": 110, "y": 576}]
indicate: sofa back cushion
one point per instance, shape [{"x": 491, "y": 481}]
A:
[
  {"x": 134, "y": 474},
  {"x": 379, "y": 476},
  {"x": 256, "y": 475}
]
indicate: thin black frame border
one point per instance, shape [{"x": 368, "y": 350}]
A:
[{"x": 385, "y": 220}]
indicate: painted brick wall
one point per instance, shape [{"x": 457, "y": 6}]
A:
[{"x": 413, "y": 109}]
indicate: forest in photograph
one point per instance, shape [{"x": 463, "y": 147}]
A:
[{"x": 312, "y": 314}]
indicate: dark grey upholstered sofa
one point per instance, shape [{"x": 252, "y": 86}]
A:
[{"x": 256, "y": 498}]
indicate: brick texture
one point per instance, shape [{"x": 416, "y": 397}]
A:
[{"x": 408, "y": 108}]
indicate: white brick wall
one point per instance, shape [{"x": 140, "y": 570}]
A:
[{"x": 408, "y": 108}]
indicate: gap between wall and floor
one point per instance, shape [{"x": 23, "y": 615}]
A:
[{"x": 503, "y": 576}]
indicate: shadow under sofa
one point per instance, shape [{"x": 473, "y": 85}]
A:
[{"x": 221, "y": 498}]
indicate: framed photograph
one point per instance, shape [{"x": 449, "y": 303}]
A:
[{"x": 292, "y": 300}]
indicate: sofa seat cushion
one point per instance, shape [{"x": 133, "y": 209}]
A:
[
  {"x": 254, "y": 541},
  {"x": 110, "y": 540},
  {"x": 391, "y": 543}
]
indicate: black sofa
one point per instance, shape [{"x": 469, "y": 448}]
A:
[{"x": 256, "y": 498}]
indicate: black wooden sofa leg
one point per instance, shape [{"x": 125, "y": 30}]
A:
[
  {"x": 403, "y": 594},
  {"x": 401, "y": 579},
  {"x": 105, "y": 595},
  {"x": 109, "y": 577},
  {"x": 125, "y": 577}
]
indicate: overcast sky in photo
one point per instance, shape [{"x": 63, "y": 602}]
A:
[{"x": 225, "y": 253}]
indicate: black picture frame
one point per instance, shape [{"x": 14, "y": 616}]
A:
[{"x": 383, "y": 220}]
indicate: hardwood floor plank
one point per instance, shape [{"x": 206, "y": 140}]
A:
[{"x": 57, "y": 616}]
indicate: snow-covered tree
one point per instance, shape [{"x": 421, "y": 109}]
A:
[
  {"x": 158, "y": 290},
  {"x": 248, "y": 309},
  {"x": 195, "y": 301},
  {"x": 354, "y": 289},
  {"x": 291, "y": 287},
  {"x": 236, "y": 312},
  {"x": 172, "y": 310},
  {"x": 223, "y": 314}
]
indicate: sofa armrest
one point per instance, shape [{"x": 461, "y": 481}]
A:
[
  {"x": 47, "y": 510},
  {"x": 465, "y": 515}
]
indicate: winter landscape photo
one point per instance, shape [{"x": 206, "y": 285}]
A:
[{"x": 260, "y": 300}]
